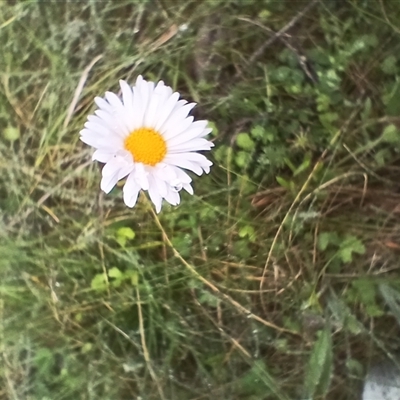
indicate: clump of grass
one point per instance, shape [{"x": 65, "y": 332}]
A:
[{"x": 277, "y": 280}]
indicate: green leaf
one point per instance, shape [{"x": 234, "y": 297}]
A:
[
  {"x": 264, "y": 135},
  {"x": 11, "y": 133},
  {"x": 392, "y": 101},
  {"x": 241, "y": 249},
  {"x": 366, "y": 291},
  {"x": 282, "y": 73},
  {"x": 114, "y": 272},
  {"x": 350, "y": 245},
  {"x": 388, "y": 65},
  {"x": 367, "y": 109},
  {"x": 303, "y": 166},
  {"x": 371, "y": 40},
  {"x": 331, "y": 79},
  {"x": 117, "y": 275},
  {"x": 328, "y": 118},
  {"x": 245, "y": 142},
  {"x": 343, "y": 315},
  {"x": 258, "y": 132},
  {"x": 283, "y": 182},
  {"x": 260, "y": 383},
  {"x": 133, "y": 276},
  {"x": 319, "y": 369},
  {"x": 264, "y": 14},
  {"x": 373, "y": 310},
  {"x": 355, "y": 367},
  {"x": 323, "y": 102},
  {"x": 391, "y": 134},
  {"x": 326, "y": 238},
  {"x": 247, "y": 231},
  {"x": 289, "y": 164},
  {"x": 124, "y": 234},
  {"x": 242, "y": 158},
  {"x": 381, "y": 156},
  {"x": 209, "y": 299},
  {"x": 86, "y": 348},
  {"x": 44, "y": 361},
  {"x": 98, "y": 282}
]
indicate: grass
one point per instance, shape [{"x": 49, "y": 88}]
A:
[{"x": 278, "y": 279}]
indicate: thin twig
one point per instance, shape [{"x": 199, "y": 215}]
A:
[
  {"x": 387, "y": 18},
  {"x": 243, "y": 310},
  {"x": 322, "y": 187},
  {"x": 234, "y": 341},
  {"x": 282, "y": 31},
  {"x": 301, "y": 58},
  {"x": 317, "y": 165}
]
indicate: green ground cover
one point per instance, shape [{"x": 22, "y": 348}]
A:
[{"x": 278, "y": 279}]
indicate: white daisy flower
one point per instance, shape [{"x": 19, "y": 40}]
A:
[{"x": 148, "y": 137}]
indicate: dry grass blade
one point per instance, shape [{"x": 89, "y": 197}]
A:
[
  {"x": 79, "y": 89},
  {"x": 242, "y": 310}
]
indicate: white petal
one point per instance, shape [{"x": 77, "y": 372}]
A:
[
  {"x": 127, "y": 98},
  {"x": 164, "y": 91},
  {"x": 172, "y": 197},
  {"x": 150, "y": 116},
  {"x": 164, "y": 172},
  {"x": 113, "y": 100},
  {"x": 173, "y": 159},
  {"x": 175, "y": 185},
  {"x": 178, "y": 128},
  {"x": 98, "y": 128},
  {"x": 121, "y": 163},
  {"x": 131, "y": 191},
  {"x": 158, "y": 98},
  {"x": 113, "y": 123},
  {"x": 188, "y": 188},
  {"x": 161, "y": 186},
  {"x": 112, "y": 167},
  {"x": 155, "y": 197},
  {"x": 145, "y": 90},
  {"x": 127, "y": 94},
  {"x": 196, "y": 130},
  {"x": 175, "y": 120},
  {"x": 107, "y": 118},
  {"x": 150, "y": 88},
  {"x": 124, "y": 171},
  {"x": 166, "y": 110},
  {"x": 108, "y": 182},
  {"x": 103, "y": 105},
  {"x": 199, "y": 158},
  {"x": 193, "y": 145},
  {"x": 139, "y": 80},
  {"x": 102, "y": 156},
  {"x": 194, "y": 158},
  {"x": 182, "y": 175},
  {"x": 119, "y": 111},
  {"x": 138, "y": 108},
  {"x": 98, "y": 141},
  {"x": 141, "y": 176}
]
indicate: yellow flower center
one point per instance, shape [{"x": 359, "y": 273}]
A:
[{"x": 146, "y": 146}]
